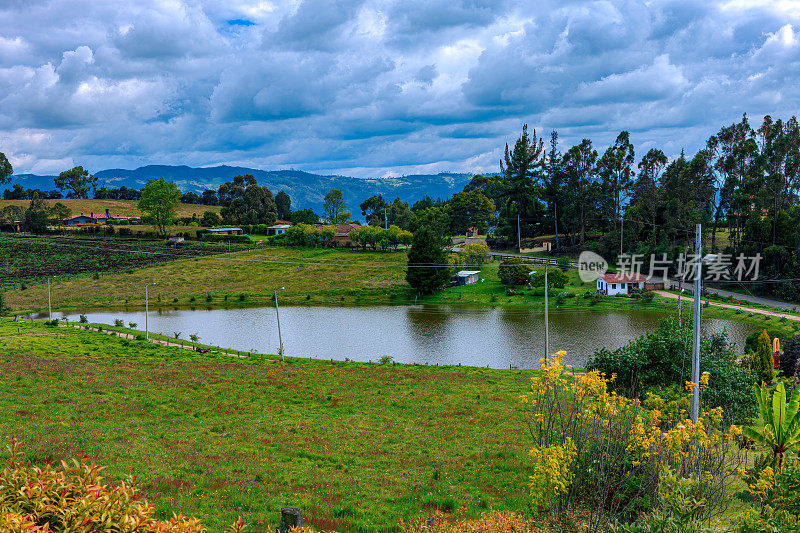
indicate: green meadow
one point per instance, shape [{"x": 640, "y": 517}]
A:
[{"x": 356, "y": 446}]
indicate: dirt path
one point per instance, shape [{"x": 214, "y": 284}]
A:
[
  {"x": 732, "y": 306},
  {"x": 157, "y": 341}
]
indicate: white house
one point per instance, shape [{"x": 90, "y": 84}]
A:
[
  {"x": 467, "y": 277},
  {"x": 278, "y": 229},
  {"x": 611, "y": 284}
]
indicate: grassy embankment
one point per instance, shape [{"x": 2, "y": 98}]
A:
[
  {"x": 357, "y": 446},
  {"x": 126, "y": 208}
]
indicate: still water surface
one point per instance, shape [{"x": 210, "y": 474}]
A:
[{"x": 496, "y": 337}]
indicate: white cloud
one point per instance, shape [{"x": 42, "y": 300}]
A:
[{"x": 370, "y": 87}]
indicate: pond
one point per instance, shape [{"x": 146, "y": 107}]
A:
[{"x": 494, "y": 337}]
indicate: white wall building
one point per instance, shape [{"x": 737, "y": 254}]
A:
[{"x": 611, "y": 284}]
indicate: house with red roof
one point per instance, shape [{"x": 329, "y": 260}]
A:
[
  {"x": 613, "y": 284},
  {"x": 79, "y": 220}
]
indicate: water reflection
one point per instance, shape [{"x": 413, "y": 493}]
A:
[{"x": 495, "y": 337}]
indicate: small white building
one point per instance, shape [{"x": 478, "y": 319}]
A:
[
  {"x": 467, "y": 277},
  {"x": 612, "y": 284},
  {"x": 278, "y": 229}
]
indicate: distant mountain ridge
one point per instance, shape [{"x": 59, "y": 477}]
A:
[{"x": 306, "y": 190}]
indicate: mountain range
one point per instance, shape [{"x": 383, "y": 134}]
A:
[{"x": 305, "y": 189}]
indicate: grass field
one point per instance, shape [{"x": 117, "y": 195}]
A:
[
  {"x": 357, "y": 446},
  {"x": 115, "y": 207},
  {"x": 312, "y": 276}
]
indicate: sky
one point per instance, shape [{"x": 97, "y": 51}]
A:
[{"x": 373, "y": 88}]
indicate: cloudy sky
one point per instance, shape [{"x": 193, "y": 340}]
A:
[{"x": 378, "y": 87}]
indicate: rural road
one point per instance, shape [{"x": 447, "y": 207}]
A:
[
  {"x": 754, "y": 299},
  {"x": 666, "y": 294}
]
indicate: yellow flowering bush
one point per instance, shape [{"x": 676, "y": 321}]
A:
[
  {"x": 592, "y": 445},
  {"x": 552, "y": 471}
]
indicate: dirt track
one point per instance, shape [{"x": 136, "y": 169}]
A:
[{"x": 733, "y": 306}]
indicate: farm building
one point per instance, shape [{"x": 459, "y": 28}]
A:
[
  {"x": 342, "y": 236},
  {"x": 225, "y": 231},
  {"x": 11, "y": 226},
  {"x": 467, "y": 277},
  {"x": 91, "y": 218},
  {"x": 80, "y": 220},
  {"x": 278, "y": 229},
  {"x": 613, "y": 284}
]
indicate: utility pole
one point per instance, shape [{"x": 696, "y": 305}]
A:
[
  {"x": 546, "y": 321},
  {"x": 621, "y": 233},
  {"x": 49, "y": 307},
  {"x": 555, "y": 209},
  {"x": 385, "y": 219},
  {"x": 278, "y": 316},
  {"x": 698, "y": 246},
  {"x": 146, "y": 310},
  {"x": 519, "y": 240}
]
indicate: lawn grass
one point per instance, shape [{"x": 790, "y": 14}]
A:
[
  {"x": 116, "y": 207},
  {"x": 356, "y": 446}
]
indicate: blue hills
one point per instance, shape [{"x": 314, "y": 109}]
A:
[{"x": 306, "y": 190}]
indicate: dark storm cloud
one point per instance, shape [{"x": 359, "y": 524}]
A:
[{"x": 374, "y": 87}]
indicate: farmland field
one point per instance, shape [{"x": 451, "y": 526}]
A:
[
  {"x": 356, "y": 446},
  {"x": 115, "y": 207},
  {"x": 28, "y": 259},
  {"x": 310, "y": 276}
]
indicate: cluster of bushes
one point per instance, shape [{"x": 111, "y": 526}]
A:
[
  {"x": 378, "y": 237},
  {"x": 516, "y": 271},
  {"x": 470, "y": 256},
  {"x": 651, "y": 365},
  {"x": 254, "y": 229},
  {"x": 310, "y": 235},
  {"x": 606, "y": 454}
]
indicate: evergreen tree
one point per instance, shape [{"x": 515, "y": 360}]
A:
[
  {"x": 616, "y": 173},
  {"x": 36, "y": 215},
  {"x": 763, "y": 364},
  {"x": 521, "y": 168},
  {"x": 283, "y": 205},
  {"x": 426, "y": 258}
]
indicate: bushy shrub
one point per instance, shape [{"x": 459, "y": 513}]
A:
[
  {"x": 763, "y": 364},
  {"x": 647, "y": 296},
  {"x": 607, "y": 453},
  {"x": 210, "y": 219},
  {"x": 74, "y": 497},
  {"x": 473, "y": 255},
  {"x": 302, "y": 235},
  {"x": 513, "y": 271},
  {"x": 679, "y": 510},
  {"x": 118, "y": 322},
  {"x": 663, "y": 357},
  {"x": 556, "y": 278}
]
